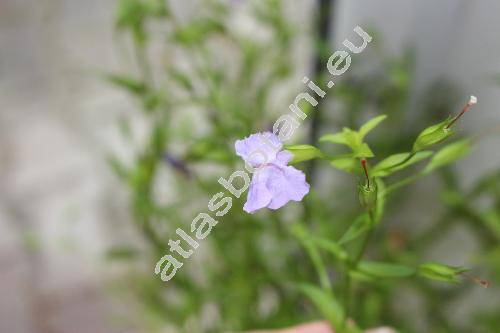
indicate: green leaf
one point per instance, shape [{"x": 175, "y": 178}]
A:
[
  {"x": 440, "y": 272},
  {"x": 181, "y": 78},
  {"x": 152, "y": 100},
  {"x": 370, "y": 125},
  {"x": 397, "y": 162},
  {"x": 196, "y": 32},
  {"x": 305, "y": 239},
  {"x": 362, "y": 151},
  {"x": 128, "y": 83},
  {"x": 118, "y": 167},
  {"x": 338, "y": 138},
  {"x": 449, "y": 154},
  {"x": 330, "y": 246},
  {"x": 303, "y": 153},
  {"x": 362, "y": 277},
  {"x": 206, "y": 150},
  {"x": 156, "y": 8},
  {"x": 385, "y": 270},
  {"x": 121, "y": 253},
  {"x": 131, "y": 15},
  {"x": 351, "y": 139},
  {"x": 359, "y": 227},
  {"x": 347, "y": 137},
  {"x": 432, "y": 135},
  {"x": 326, "y": 303},
  {"x": 346, "y": 163},
  {"x": 491, "y": 220}
]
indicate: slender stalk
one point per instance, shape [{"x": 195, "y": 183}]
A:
[
  {"x": 402, "y": 183},
  {"x": 472, "y": 101},
  {"x": 320, "y": 268},
  {"x": 365, "y": 169},
  {"x": 355, "y": 262},
  {"x": 347, "y": 291},
  {"x": 366, "y": 240},
  {"x": 318, "y": 263}
]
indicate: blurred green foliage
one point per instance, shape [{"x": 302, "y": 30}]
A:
[{"x": 209, "y": 86}]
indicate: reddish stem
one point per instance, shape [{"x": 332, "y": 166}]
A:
[
  {"x": 363, "y": 163},
  {"x": 464, "y": 110},
  {"x": 483, "y": 283}
]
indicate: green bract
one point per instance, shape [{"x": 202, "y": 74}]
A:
[
  {"x": 368, "y": 196},
  {"x": 303, "y": 152},
  {"x": 354, "y": 139},
  {"x": 440, "y": 272},
  {"x": 432, "y": 135}
]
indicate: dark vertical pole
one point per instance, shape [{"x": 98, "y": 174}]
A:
[{"x": 323, "y": 34}]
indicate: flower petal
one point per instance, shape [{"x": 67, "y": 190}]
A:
[
  {"x": 285, "y": 184},
  {"x": 283, "y": 157},
  {"x": 259, "y": 148},
  {"x": 298, "y": 184},
  {"x": 258, "y": 195}
]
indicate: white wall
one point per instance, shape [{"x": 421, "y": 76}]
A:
[{"x": 454, "y": 39}]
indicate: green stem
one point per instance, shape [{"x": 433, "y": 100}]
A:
[
  {"x": 366, "y": 240},
  {"x": 402, "y": 183},
  {"x": 347, "y": 292},
  {"x": 354, "y": 263},
  {"x": 319, "y": 266}
]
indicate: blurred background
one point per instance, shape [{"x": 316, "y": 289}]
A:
[{"x": 117, "y": 118}]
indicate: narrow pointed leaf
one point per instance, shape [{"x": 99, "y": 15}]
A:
[
  {"x": 304, "y": 153},
  {"x": 398, "y": 162},
  {"x": 385, "y": 270},
  {"x": 348, "y": 164},
  {"x": 347, "y": 137},
  {"x": 362, "y": 151},
  {"x": 330, "y": 246},
  {"x": 449, "y": 154},
  {"x": 326, "y": 303},
  {"x": 359, "y": 227},
  {"x": 371, "y": 124}
]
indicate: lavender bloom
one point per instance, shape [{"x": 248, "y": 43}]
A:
[{"x": 274, "y": 183}]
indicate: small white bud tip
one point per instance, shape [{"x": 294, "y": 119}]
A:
[{"x": 472, "y": 100}]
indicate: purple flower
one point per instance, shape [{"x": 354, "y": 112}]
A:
[{"x": 274, "y": 183}]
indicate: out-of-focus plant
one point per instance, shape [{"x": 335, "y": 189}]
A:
[
  {"x": 195, "y": 106},
  {"x": 209, "y": 85}
]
